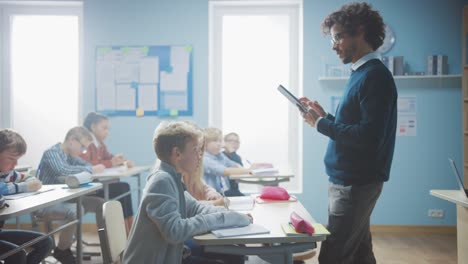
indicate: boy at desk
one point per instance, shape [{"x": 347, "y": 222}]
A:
[
  {"x": 218, "y": 167},
  {"x": 57, "y": 162},
  {"x": 97, "y": 153},
  {"x": 12, "y": 147},
  {"x": 168, "y": 215}
]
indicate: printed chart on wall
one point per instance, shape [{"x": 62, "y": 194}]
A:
[
  {"x": 407, "y": 120},
  {"x": 144, "y": 80}
]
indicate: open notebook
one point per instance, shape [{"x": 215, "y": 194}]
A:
[{"x": 252, "y": 229}]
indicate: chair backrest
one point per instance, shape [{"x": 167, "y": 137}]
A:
[{"x": 114, "y": 225}]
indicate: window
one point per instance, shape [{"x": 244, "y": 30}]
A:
[
  {"x": 41, "y": 82},
  {"x": 254, "y": 47}
]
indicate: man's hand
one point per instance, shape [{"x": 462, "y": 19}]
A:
[{"x": 315, "y": 111}]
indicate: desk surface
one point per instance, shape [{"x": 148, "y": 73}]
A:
[
  {"x": 250, "y": 176},
  {"x": 112, "y": 172},
  {"x": 41, "y": 200},
  {"x": 454, "y": 196},
  {"x": 270, "y": 216}
]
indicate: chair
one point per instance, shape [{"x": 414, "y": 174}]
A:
[{"x": 113, "y": 236}]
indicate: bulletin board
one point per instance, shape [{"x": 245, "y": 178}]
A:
[{"x": 144, "y": 80}]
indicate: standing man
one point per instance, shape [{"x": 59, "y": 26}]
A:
[{"x": 362, "y": 134}]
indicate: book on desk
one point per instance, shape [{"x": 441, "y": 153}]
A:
[
  {"x": 252, "y": 229},
  {"x": 289, "y": 230}
]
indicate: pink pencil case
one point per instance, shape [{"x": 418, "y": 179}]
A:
[
  {"x": 301, "y": 225},
  {"x": 274, "y": 193}
]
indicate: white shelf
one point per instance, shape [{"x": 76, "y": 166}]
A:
[{"x": 400, "y": 77}]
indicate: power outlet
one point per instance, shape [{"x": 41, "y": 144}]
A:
[{"x": 435, "y": 213}]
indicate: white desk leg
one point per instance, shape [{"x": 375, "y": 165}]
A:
[
  {"x": 462, "y": 234},
  {"x": 106, "y": 190},
  {"x": 79, "y": 240}
]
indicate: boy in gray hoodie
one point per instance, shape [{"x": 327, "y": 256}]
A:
[{"x": 168, "y": 215}]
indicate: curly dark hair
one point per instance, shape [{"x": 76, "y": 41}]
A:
[{"x": 352, "y": 16}]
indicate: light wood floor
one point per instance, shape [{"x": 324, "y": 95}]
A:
[{"x": 388, "y": 249}]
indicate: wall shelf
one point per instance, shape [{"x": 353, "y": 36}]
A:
[{"x": 401, "y": 77}]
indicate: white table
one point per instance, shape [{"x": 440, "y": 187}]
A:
[
  {"x": 111, "y": 175},
  {"x": 59, "y": 194},
  {"x": 459, "y": 198},
  {"x": 265, "y": 180},
  {"x": 275, "y": 246}
]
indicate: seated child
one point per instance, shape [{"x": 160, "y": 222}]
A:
[
  {"x": 97, "y": 153},
  {"x": 57, "y": 162},
  {"x": 218, "y": 167},
  {"x": 12, "y": 147},
  {"x": 167, "y": 215}
]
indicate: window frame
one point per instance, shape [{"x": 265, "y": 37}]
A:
[
  {"x": 293, "y": 8},
  {"x": 11, "y": 8}
]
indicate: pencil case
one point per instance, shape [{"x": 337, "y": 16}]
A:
[
  {"x": 274, "y": 193},
  {"x": 301, "y": 225}
]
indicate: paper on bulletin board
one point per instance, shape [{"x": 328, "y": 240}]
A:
[{"x": 407, "y": 118}]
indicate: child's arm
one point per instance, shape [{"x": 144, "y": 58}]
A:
[
  {"x": 60, "y": 166},
  {"x": 17, "y": 182},
  {"x": 161, "y": 207},
  {"x": 92, "y": 156}
]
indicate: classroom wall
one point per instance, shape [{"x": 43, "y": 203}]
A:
[{"x": 421, "y": 28}]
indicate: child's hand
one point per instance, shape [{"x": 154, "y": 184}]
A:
[
  {"x": 250, "y": 217},
  {"x": 33, "y": 186},
  {"x": 219, "y": 202},
  {"x": 117, "y": 160},
  {"x": 129, "y": 164},
  {"x": 98, "y": 168}
]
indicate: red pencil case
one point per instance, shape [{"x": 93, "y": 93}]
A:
[
  {"x": 301, "y": 225},
  {"x": 274, "y": 193}
]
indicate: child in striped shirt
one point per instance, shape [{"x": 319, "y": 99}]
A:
[
  {"x": 12, "y": 147},
  {"x": 58, "y": 162}
]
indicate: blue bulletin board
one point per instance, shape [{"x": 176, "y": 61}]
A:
[{"x": 144, "y": 80}]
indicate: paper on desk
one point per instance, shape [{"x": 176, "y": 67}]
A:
[
  {"x": 44, "y": 188},
  {"x": 265, "y": 171},
  {"x": 112, "y": 171},
  {"x": 252, "y": 229}
]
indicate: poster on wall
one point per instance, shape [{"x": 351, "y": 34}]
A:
[
  {"x": 144, "y": 80},
  {"x": 407, "y": 120}
]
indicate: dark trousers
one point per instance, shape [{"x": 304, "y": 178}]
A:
[
  {"x": 11, "y": 239},
  {"x": 199, "y": 256},
  {"x": 349, "y": 211},
  {"x": 116, "y": 189},
  {"x": 233, "y": 190}
]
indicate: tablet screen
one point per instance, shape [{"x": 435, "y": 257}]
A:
[{"x": 292, "y": 98}]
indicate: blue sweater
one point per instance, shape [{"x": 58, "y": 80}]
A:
[{"x": 362, "y": 132}]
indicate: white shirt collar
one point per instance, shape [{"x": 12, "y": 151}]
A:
[
  {"x": 364, "y": 59},
  {"x": 95, "y": 141}
]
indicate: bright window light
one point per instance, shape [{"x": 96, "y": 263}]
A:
[{"x": 44, "y": 79}]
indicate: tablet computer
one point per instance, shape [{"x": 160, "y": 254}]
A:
[{"x": 292, "y": 98}]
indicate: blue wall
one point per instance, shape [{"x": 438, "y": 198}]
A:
[{"x": 421, "y": 28}]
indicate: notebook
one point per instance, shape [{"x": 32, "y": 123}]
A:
[
  {"x": 319, "y": 229},
  {"x": 457, "y": 176},
  {"x": 252, "y": 229},
  {"x": 240, "y": 203}
]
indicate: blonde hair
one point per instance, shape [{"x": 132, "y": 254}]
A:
[
  {"x": 79, "y": 133},
  {"x": 212, "y": 134},
  {"x": 167, "y": 136}
]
